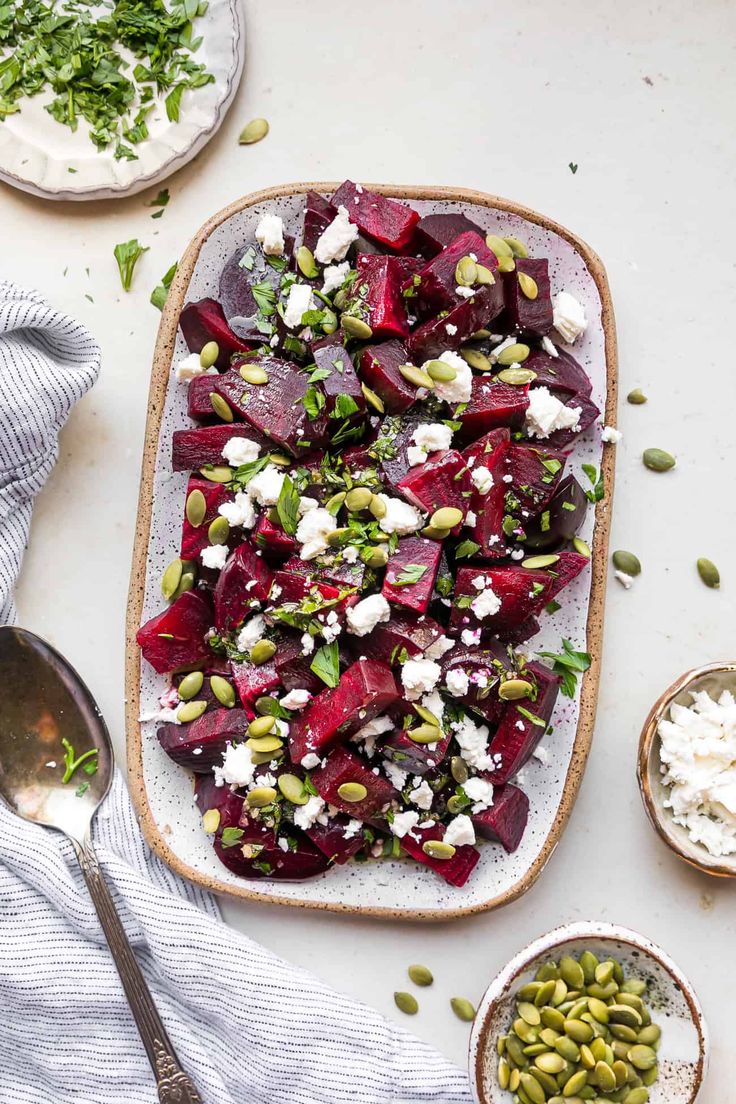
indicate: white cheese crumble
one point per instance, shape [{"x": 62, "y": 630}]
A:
[
  {"x": 374, "y": 728},
  {"x": 457, "y": 390},
  {"x": 470, "y": 637},
  {"x": 421, "y": 795},
  {"x": 296, "y": 699},
  {"x": 624, "y": 579},
  {"x": 265, "y": 487},
  {"x": 485, "y": 604},
  {"x": 237, "y": 767},
  {"x": 251, "y": 632},
  {"x": 568, "y": 316},
  {"x": 190, "y": 367},
  {"x": 457, "y": 682},
  {"x": 403, "y": 823},
  {"x": 300, "y": 300},
  {"x": 459, "y": 831},
  {"x": 215, "y": 556},
  {"x": 350, "y": 553},
  {"x": 239, "y": 512},
  {"x": 610, "y": 435},
  {"x": 472, "y": 740},
  {"x": 311, "y": 760},
  {"x": 336, "y": 239},
  {"x": 312, "y": 530},
  {"x": 366, "y": 614},
  {"x": 400, "y": 517},
  {"x": 546, "y": 413},
  {"x": 334, "y": 277},
  {"x": 396, "y": 776},
  {"x": 480, "y": 793},
  {"x": 451, "y": 330},
  {"x": 438, "y": 647},
  {"x": 307, "y": 815},
  {"x": 549, "y": 347},
  {"x": 307, "y": 642},
  {"x": 419, "y": 676},
  {"x": 435, "y": 703},
  {"x": 464, "y": 292},
  {"x": 270, "y": 235},
  {"x": 482, "y": 479},
  {"x": 240, "y": 450},
  {"x": 433, "y": 437}
]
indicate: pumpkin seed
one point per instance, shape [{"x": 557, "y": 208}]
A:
[
  {"x": 438, "y": 370},
  {"x": 426, "y": 714},
  {"x": 190, "y": 711},
  {"x": 356, "y": 327},
  {"x": 372, "y": 399},
  {"x": 571, "y": 971},
  {"x": 622, "y": 1032},
  {"x": 375, "y": 557},
  {"x": 209, "y": 354},
  {"x": 620, "y": 1073},
  {"x": 503, "y": 1073},
  {"x": 513, "y": 354},
  {"x": 637, "y": 1096},
  {"x": 171, "y": 578},
  {"x": 553, "y": 1018},
  {"x": 262, "y": 651},
  {"x": 264, "y": 745},
  {"x": 588, "y": 962},
  {"x": 358, "y": 499},
  {"x": 642, "y": 1057},
  {"x": 260, "y": 796},
  {"x": 476, "y": 359},
  {"x": 456, "y": 804},
  {"x": 466, "y": 272},
  {"x": 253, "y": 373},
  {"x": 262, "y": 726},
  {"x": 658, "y": 460},
  {"x": 499, "y": 246},
  {"x": 518, "y": 377},
  {"x": 650, "y": 1035},
  {"x": 223, "y": 691},
  {"x": 216, "y": 473},
  {"x": 483, "y": 276},
  {"x": 533, "y": 1089},
  {"x": 581, "y": 547},
  {"x": 352, "y": 792},
  {"x": 187, "y": 581},
  {"x": 415, "y": 376},
  {"x": 529, "y": 1013},
  {"x": 515, "y": 1050},
  {"x": 406, "y": 1003},
  {"x": 626, "y": 562},
  {"x": 267, "y": 706},
  {"x": 446, "y": 518},
  {"x": 424, "y": 734},
  {"x": 512, "y": 690},
  {"x": 305, "y": 262},
  {"x": 709, "y": 573},
  {"x": 635, "y": 986},
  {"x": 377, "y": 507},
  {"x": 219, "y": 531},
  {"x": 338, "y": 537},
  {"x": 459, "y": 769},
  {"x": 535, "y": 563},
  {"x": 567, "y": 1048},
  {"x": 587, "y": 1057},
  {"x": 528, "y": 285},
  {"x": 293, "y": 789},
  {"x": 196, "y": 508},
  {"x": 480, "y": 335},
  {"x": 220, "y": 407},
  {"x": 517, "y": 247},
  {"x": 211, "y": 821},
  {"x": 577, "y": 1082},
  {"x": 438, "y": 849},
  {"x": 260, "y": 757},
  {"x": 598, "y": 1010},
  {"x": 604, "y": 972},
  {"x": 506, "y": 264},
  {"x": 550, "y": 1063},
  {"x": 648, "y": 1077},
  {"x": 549, "y": 1037},
  {"x": 190, "y": 685},
  {"x": 329, "y": 320},
  {"x": 636, "y": 397},
  {"x": 254, "y": 131},
  {"x": 622, "y": 1014},
  {"x": 420, "y": 975},
  {"x": 462, "y": 1008},
  {"x": 605, "y": 1077},
  {"x": 578, "y": 1031},
  {"x": 333, "y": 504}
]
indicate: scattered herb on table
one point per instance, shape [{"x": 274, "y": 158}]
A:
[
  {"x": 127, "y": 254},
  {"x": 568, "y": 664},
  {"x": 88, "y": 761},
  {"x": 572, "y": 167},
  {"x": 160, "y": 202},
  {"x": 160, "y": 294}
]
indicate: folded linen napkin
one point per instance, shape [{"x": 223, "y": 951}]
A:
[{"x": 248, "y": 1027}]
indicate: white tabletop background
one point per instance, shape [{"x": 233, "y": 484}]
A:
[{"x": 498, "y": 97}]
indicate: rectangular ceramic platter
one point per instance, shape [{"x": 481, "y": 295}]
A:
[{"x": 163, "y": 790}]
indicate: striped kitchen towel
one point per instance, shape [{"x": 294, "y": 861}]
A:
[{"x": 248, "y": 1027}]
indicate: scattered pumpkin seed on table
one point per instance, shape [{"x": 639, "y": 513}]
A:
[
  {"x": 254, "y": 131},
  {"x": 420, "y": 975},
  {"x": 658, "y": 460},
  {"x": 709, "y": 573},
  {"x": 406, "y": 1003},
  {"x": 463, "y": 1009},
  {"x": 636, "y": 397},
  {"x": 626, "y": 562}
]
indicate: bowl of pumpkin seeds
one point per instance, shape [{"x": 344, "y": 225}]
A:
[{"x": 589, "y": 1012}]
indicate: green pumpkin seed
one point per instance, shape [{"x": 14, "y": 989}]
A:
[
  {"x": 533, "y": 1089},
  {"x": 253, "y": 373},
  {"x": 426, "y": 714},
  {"x": 581, "y": 547},
  {"x": 420, "y": 975},
  {"x": 578, "y": 1031},
  {"x": 528, "y": 285},
  {"x": 636, "y": 397},
  {"x": 588, "y": 962},
  {"x": 604, "y": 972},
  {"x": 517, "y": 247},
  {"x": 480, "y": 335},
  {"x": 211, "y": 821},
  {"x": 377, "y": 507},
  {"x": 658, "y": 460},
  {"x": 476, "y": 359},
  {"x": 438, "y": 370},
  {"x": 648, "y": 1077},
  {"x": 709, "y": 573},
  {"x": 262, "y": 651},
  {"x": 293, "y": 789},
  {"x": 190, "y": 711},
  {"x": 437, "y": 849},
  {"x": 352, "y": 792},
  {"x": 431, "y": 532},
  {"x": 621, "y": 1031},
  {"x": 356, "y": 327},
  {"x": 260, "y": 796},
  {"x": 462, "y": 1008},
  {"x": 265, "y": 744},
  {"x": 635, "y": 986},
  {"x": 254, "y": 131},
  {"x": 483, "y": 276},
  {"x": 577, "y": 1082},
  {"x": 280, "y": 460},
  {"x": 424, "y": 734},
  {"x": 587, "y": 1057},
  {"x": 513, "y": 689},
  {"x": 637, "y": 1096},
  {"x": 546, "y": 989},
  {"x": 219, "y": 531},
  {"x": 548, "y": 1037},
  {"x": 190, "y": 685},
  {"x": 260, "y": 757},
  {"x": 620, "y": 1073},
  {"x": 642, "y": 1057},
  {"x": 626, "y": 562},
  {"x": 546, "y": 1080},
  {"x": 515, "y": 1051},
  {"x": 196, "y": 508},
  {"x": 338, "y": 537},
  {"x": 406, "y": 1003},
  {"x": 553, "y": 1018},
  {"x": 503, "y": 1073},
  {"x": 223, "y": 691},
  {"x": 305, "y": 262},
  {"x": 604, "y": 1076},
  {"x": 262, "y": 726},
  {"x": 416, "y": 377},
  {"x": 376, "y": 557},
  {"x": 334, "y": 503},
  {"x": 456, "y": 804},
  {"x": 372, "y": 399},
  {"x": 187, "y": 581},
  {"x": 358, "y": 499},
  {"x": 171, "y": 578},
  {"x": 550, "y": 1063},
  {"x": 506, "y": 264},
  {"x": 528, "y": 1033},
  {"x": 518, "y": 377},
  {"x": 567, "y": 1048},
  {"x": 536, "y": 563},
  {"x": 209, "y": 354},
  {"x": 623, "y": 1014},
  {"x": 547, "y": 971},
  {"x": 267, "y": 706},
  {"x": 560, "y": 994},
  {"x": 571, "y": 972},
  {"x": 446, "y": 518},
  {"x": 217, "y": 473},
  {"x": 499, "y": 246},
  {"x": 598, "y": 1010},
  {"x": 650, "y": 1035},
  {"x": 459, "y": 769},
  {"x": 329, "y": 320},
  {"x": 220, "y": 407},
  {"x": 466, "y": 272},
  {"x": 529, "y": 1013},
  {"x": 512, "y": 354}
]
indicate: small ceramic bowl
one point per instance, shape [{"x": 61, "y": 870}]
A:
[
  {"x": 684, "y": 1050},
  {"x": 713, "y": 678}
]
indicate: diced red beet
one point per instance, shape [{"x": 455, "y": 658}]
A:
[
  {"x": 199, "y": 406},
  {"x": 413, "y": 757},
  {"x": 205, "y": 321},
  {"x": 317, "y": 217},
  {"x": 236, "y": 281},
  {"x": 492, "y": 405},
  {"x": 506, "y": 820},
  {"x": 434, "y": 232},
  {"x": 519, "y": 634},
  {"x": 489, "y": 509},
  {"x": 566, "y": 510},
  {"x": 397, "y": 434},
  {"x": 254, "y": 681},
  {"x": 385, "y": 220},
  {"x": 339, "y": 574},
  {"x": 379, "y": 370},
  {"x": 245, "y": 578},
  {"x": 366, "y": 689},
  {"x": 452, "y": 330},
  {"x": 329, "y": 354},
  {"x": 483, "y": 666},
  {"x": 275, "y": 409},
  {"x": 193, "y": 540},
  {"x": 561, "y": 438},
  {"x": 435, "y": 289},
  {"x": 375, "y": 296},
  {"x": 560, "y": 373},
  {"x": 529, "y": 316},
  {"x": 272, "y": 539},
  {"x": 411, "y": 554},
  {"x": 567, "y": 568},
  {"x": 193, "y": 448},
  {"x": 345, "y": 766},
  {"x": 533, "y": 476},
  {"x": 209, "y": 795},
  {"x": 522, "y": 593},
  {"x": 517, "y": 736},
  {"x": 389, "y": 638},
  {"x": 480, "y": 451},
  {"x": 292, "y": 587},
  {"x": 330, "y": 839},
  {"x": 294, "y": 668},
  {"x": 256, "y": 853},
  {"x": 200, "y": 745},
  {"x": 175, "y": 639},
  {"x": 443, "y": 480},
  {"x": 456, "y": 870}
]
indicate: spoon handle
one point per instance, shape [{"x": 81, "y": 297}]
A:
[{"x": 174, "y": 1086}]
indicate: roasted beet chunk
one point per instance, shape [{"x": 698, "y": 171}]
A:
[
  {"x": 209, "y": 795},
  {"x": 379, "y": 370},
  {"x": 413, "y": 757},
  {"x": 245, "y": 579},
  {"x": 253, "y": 681},
  {"x": 456, "y": 870},
  {"x": 562, "y": 518},
  {"x": 561, "y": 438},
  {"x": 506, "y": 820},
  {"x": 205, "y": 321},
  {"x": 451, "y": 330},
  {"x": 567, "y": 568},
  {"x": 317, "y": 217},
  {"x": 276, "y": 408},
  {"x": 529, "y": 315},
  {"x": 272, "y": 540},
  {"x": 201, "y": 744},
  {"x": 436, "y": 284},
  {"x": 246, "y": 268},
  {"x": 560, "y": 373},
  {"x": 375, "y": 296},
  {"x": 193, "y": 448},
  {"x": 332, "y": 840},
  {"x": 443, "y": 480},
  {"x": 404, "y": 633},
  {"x": 492, "y": 405},
  {"x": 434, "y": 232},
  {"x": 175, "y": 639},
  {"x": 195, "y": 538},
  {"x": 520, "y": 592},
  {"x": 535, "y": 473},
  {"x": 411, "y": 573},
  {"x": 523, "y": 725},
  {"x": 344, "y": 768},
  {"x": 366, "y": 689},
  {"x": 199, "y": 404},
  {"x": 384, "y": 220},
  {"x": 487, "y": 458},
  {"x": 330, "y": 355}
]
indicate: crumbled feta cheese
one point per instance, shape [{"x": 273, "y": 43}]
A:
[
  {"x": 400, "y": 517},
  {"x": 435, "y": 703},
  {"x": 470, "y": 637},
  {"x": 270, "y": 235},
  {"x": 415, "y": 456},
  {"x": 307, "y": 815},
  {"x": 546, "y": 413},
  {"x": 265, "y": 487},
  {"x": 568, "y": 316},
  {"x": 312, "y": 531},
  {"x": 479, "y": 582},
  {"x": 438, "y": 647},
  {"x": 403, "y": 823},
  {"x": 396, "y": 776},
  {"x": 350, "y": 553},
  {"x": 215, "y": 556},
  {"x": 419, "y": 676},
  {"x": 299, "y": 302},
  {"x": 624, "y": 579},
  {"x": 480, "y": 793},
  {"x": 164, "y": 716},
  {"x": 459, "y": 831},
  {"x": 239, "y": 512},
  {"x": 470, "y": 519},
  {"x": 352, "y": 828},
  {"x": 334, "y": 277},
  {"x": 240, "y": 450},
  {"x": 433, "y": 437},
  {"x": 373, "y": 728},
  {"x": 190, "y": 367},
  {"x": 610, "y": 435},
  {"x": 421, "y": 795},
  {"x": 306, "y": 504},
  {"x": 336, "y": 239},
  {"x": 464, "y": 292},
  {"x": 307, "y": 643},
  {"x": 365, "y": 615},
  {"x": 311, "y": 760},
  {"x": 252, "y": 631},
  {"x": 457, "y": 682},
  {"x": 549, "y": 347},
  {"x": 332, "y": 629},
  {"x": 482, "y": 479},
  {"x": 296, "y": 699},
  {"x": 237, "y": 767},
  {"x": 457, "y": 390},
  {"x": 541, "y": 754},
  {"x": 485, "y": 604},
  {"x": 472, "y": 740}
]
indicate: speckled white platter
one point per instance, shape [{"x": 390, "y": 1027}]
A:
[
  {"x": 684, "y": 1051},
  {"x": 41, "y": 156},
  {"x": 163, "y": 791}
]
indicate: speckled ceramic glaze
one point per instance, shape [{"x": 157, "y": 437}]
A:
[
  {"x": 41, "y": 156},
  {"x": 163, "y": 791},
  {"x": 713, "y": 679},
  {"x": 683, "y": 1054}
]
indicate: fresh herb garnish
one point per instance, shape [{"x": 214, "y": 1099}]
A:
[
  {"x": 411, "y": 573},
  {"x": 344, "y": 407},
  {"x": 313, "y": 402},
  {"x": 326, "y": 664},
  {"x": 248, "y": 259},
  {"x": 243, "y": 475},
  {"x": 572, "y": 167},
  {"x": 465, "y": 549},
  {"x": 535, "y": 720},
  {"x": 161, "y": 201},
  {"x": 288, "y": 506},
  {"x": 127, "y": 254},
  {"x": 568, "y": 664},
  {"x": 231, "y": 836},
  {"x": 597, "y": 492},
  {"x": 88, "y": 761},
  {"x": 160, "y": 294},
  {"x": 265, "y": 297},
  {"x": 553, "y": 606}
]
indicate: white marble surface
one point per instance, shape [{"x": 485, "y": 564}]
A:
[{"x": 469, "y": 93}]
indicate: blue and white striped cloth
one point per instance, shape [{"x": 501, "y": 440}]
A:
[{"x": 248, "y": 1027}]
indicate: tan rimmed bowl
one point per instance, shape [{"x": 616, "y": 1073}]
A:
[
  {"x": 714, "y": 678},
  {"x": 684, "y": 1049}
]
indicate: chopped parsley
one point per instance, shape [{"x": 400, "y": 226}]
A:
[
  {"x": 326, "y": 664},
  {"x": 288, "y": 506},
  {"x": 231, "y": 836},
  {"x": 465, "y": 549},
  {"x": 127, "y": 254},
  {"x": 596, "y": 480},
  {"x": 411, "y": 573},
  {"x": 88, "y": 761},
  {"x": 160, "y": 294},
  {"x": 568, "y": 664}
]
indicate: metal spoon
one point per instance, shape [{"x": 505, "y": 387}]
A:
[{"x": 48, "y": 723}]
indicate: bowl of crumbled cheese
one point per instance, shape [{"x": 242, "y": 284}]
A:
[{"x": 687, "y": 768}]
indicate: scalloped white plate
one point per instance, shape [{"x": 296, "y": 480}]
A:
[{"x": 40, "y": 156}]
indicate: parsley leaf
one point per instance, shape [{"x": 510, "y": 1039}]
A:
[
  {"x": 411, "y": 573},
  {"x": 596, "y": 480},
  {"x": 248, "y": 259},
  {"x": 288, "y": 506},
  {"x": 231, "y": 836},
  {"x": 465, "y": 549},
  {"x": 326, "y": 664},
  {"x": 127, "y": 254},
  {"x": 243, "y": 475},
  {"x": 265, "y": 297},
  {"x": 345, "y": 407},
  {"x": 568, "y": 664},
  {"x": 161, "y": 199},
  {"x": 88, "y": 760},
  {"x": 535, "y": 720},
  {"x": 313, "y": 402},
  {"x": 160, "y": 294}
]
